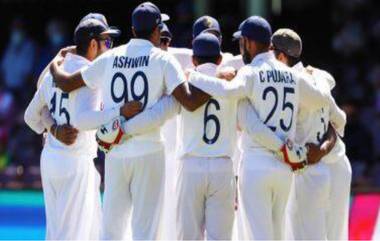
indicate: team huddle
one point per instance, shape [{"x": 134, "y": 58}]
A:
[{"x": 255, "y": 138}]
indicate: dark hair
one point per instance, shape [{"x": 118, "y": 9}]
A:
[
  {"x": 144, "y": 34},
  {"x": 165, "y": 40},
  {"x": 262, "y": 47},
  {"x": 291, "y": 60},
  {"x": 82, "y": 46},
  {"x": 203, "y": 60}
]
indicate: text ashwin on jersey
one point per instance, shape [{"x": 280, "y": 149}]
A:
[{"x": 127, "y": 62}]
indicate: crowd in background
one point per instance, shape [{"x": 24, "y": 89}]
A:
[
  {"x": 354, "y": 65},
  {"x": 357, "y": 70}
]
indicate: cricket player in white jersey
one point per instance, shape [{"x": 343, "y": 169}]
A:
[
  {"x": 313, "y": 190},
  {"x": 134, "y": 170},
  {"x": 206, "y": 185},
  {"x": 184, "y": 57},
  {"x": 69, "y": 177},
  {"x": 274, "y": 90}
]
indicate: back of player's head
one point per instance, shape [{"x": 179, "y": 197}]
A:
[
  {"x": 257, "y": 29},
  {"x": 145, "y": 18},
  {"x": 206, "y": 48},
  {"x": 206, "y": 23},
  {"x": 87, "y": 30},
  {"x": 288, "y": 42},
  {"x": 112, "y": 31}
]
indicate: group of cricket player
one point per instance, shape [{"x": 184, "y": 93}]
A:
[{"x": 199, "y": 143}]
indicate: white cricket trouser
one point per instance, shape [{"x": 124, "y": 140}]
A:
[
  {"x": 135, "y": 184},
  {"x": 308, "y": 204},
  {"x": 339, "y": 203},
  {"x": 205, "y": 198},
  {"x": 264, "y": 186},
  {"x": 72, "y": 203},
  {"x": 169, "y": 133},
  {"x": 236, "y": 157}
]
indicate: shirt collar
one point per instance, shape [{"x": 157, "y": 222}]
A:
[
  {"x": 140, "y": 42},
  {"x": 299, "y": 66},
  {"x": 207, "y": 68},
  {"x": 262, "y": 57}
]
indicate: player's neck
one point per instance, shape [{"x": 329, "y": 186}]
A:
[{"x": 88, "y": 56}]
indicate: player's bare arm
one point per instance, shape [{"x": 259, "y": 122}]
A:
[
  {"x": 64, "y": 133},
  {"x": 130, "y": 109},
  {"x": 190, "y": 96},
  {"x": 65, "y": 81},
  {"x": 317, "y": 152}
]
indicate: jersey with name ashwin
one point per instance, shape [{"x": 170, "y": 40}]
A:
[{"x": 135, "y": 71}]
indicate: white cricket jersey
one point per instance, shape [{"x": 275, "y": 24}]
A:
[
  {"x": 236, "y": 62},
  {"x": 209, "y": 131},
  {"x": 64, "y": 108},
  {"x": 312, "y": 125},
  {"x": 274, "y": 91},
  {"x": 185, "y": 57},
  {"x": 275, "y": 98},
  {"x": 134, "y": 71}
]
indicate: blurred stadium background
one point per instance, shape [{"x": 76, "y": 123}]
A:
[{"x": 340, "y": 36}]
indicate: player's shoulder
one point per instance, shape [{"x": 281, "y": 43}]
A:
[
  {"x": 119, "y": 50},
  {"x": 86, "y": 92},
  {"x": 227, "y": 55},
  {"x": 234, "y": 61},
  {"x": 47, "y": 83},
  {"x": 47, "y": 80},
  {"x": 323, "y": 74},
  {"x": 162, "y": 57},
  {"x": 180, "y": 51},
  {"x": 248, "y": 71}
]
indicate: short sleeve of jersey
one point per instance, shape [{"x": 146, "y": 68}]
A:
[
  {"x": 329, "y": 78},
  {"x": 173, "y": 74},
  {"x": 183, "y": 56},
  {"x": 45, "y": 85},
  {"x": 246, "y": 75},
  {"x": 93, "y": 74}
]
